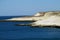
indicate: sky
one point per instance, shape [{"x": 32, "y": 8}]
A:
[{"x": 27, "y": 7}]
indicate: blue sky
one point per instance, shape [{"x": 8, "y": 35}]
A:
[{"x": 27, "y": 7}]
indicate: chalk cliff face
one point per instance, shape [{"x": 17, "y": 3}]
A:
[{"x": 49, "y": 18}]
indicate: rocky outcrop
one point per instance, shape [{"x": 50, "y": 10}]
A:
[
  {"x": 25, "y": 18},
  {"x": 51, "y": 18}
]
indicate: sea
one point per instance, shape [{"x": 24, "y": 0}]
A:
[{"x": 9, "y": 31}]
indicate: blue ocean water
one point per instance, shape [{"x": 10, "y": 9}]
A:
[{"x": 9, "y": 31}]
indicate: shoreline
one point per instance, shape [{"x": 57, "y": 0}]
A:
[{"x": 14, "y": 21}]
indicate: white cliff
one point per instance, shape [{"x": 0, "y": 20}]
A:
[{"x": 51, "y": 18}]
